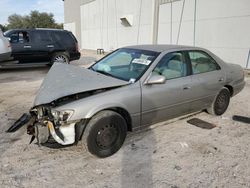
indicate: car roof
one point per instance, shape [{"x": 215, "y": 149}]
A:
[
  {"x": 39, "y": 29},
  {"x": 162, "y": 47}
]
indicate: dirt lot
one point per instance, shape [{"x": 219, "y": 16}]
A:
[{"x": 171, "y": 154}]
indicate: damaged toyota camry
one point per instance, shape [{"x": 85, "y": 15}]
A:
[{"x": 131, "y": 88}]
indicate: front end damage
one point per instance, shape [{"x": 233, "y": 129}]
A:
[
  {"x": 50, "y": 124},
  {"x": 44, "y": 122},
  {"x": 46, "y": 125}
]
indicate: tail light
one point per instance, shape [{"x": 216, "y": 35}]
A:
[{"x": 77, "y": 47}]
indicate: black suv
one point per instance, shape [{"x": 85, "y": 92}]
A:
[{"x": 43, "y": 46}]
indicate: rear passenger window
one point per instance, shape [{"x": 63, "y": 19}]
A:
[
  {"x": 63, "y": 37},
  {"x": 172, "y": 66},
  {"x": 42, "y": 36},
  {"x": 201, "y": 62}
]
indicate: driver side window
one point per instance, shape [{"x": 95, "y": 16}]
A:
[
  {"x": 19, "y": 37},
  {"x": 171, "y": 66}
]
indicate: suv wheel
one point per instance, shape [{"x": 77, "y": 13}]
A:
[
  {"x": 105, "y": 133},
  {"x": 60, "y": 58}
]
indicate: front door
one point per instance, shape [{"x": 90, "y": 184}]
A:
[
  {"x": 21, "y": 46},
  {"x": 171, "y": 99}
]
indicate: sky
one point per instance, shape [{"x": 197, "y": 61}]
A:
[{"x": 23, "y": 7}]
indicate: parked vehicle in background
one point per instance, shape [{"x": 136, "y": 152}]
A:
[
  {"x": 5, "y": 48},
  {"x": 43, "y": 46},
  {"x": 129, "y": 89}
]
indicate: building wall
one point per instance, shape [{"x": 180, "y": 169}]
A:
[
  {"x": 224, "y": 27},
  {"x": 72, "y": 17},
  {"x": 221, "y": 26},
  {"x": 101, "y": 26}
]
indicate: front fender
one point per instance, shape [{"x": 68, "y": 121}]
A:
[
  {"x": 88, "y": 112},
  {"x": 97, "y": 109},
  {"x": 127, "y": 98}
]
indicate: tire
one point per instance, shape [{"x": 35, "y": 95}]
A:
[
  {"x": 105, "y": 134},
  {"x": 60, "y": 57},
  {"x": 220, "y": 103}
]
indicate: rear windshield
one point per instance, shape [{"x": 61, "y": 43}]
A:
[{"x": 73, "y": 36}]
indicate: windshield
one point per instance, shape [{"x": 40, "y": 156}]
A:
[
  {"x": 126, "y": 64},
  {"x": 6, "y": 33}
]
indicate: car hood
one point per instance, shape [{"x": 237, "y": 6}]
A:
[{"x": 63, "y": 80}]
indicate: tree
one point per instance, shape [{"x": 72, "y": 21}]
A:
[
  {"x": 34, "y": 20},
  {"x": 3, "y": 28},
  {"x": 16, "y": 21}
]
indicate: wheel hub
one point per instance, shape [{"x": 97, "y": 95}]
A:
[
  {"x": 60, "y": 59},
  {"x": 221, "y": 101},
  {"x": 106, "y": 136}
]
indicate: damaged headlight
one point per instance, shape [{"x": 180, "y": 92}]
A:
[{"x": 63, "y": 115}]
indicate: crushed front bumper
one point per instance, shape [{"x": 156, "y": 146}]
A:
[{"x": 44, "y": 129}]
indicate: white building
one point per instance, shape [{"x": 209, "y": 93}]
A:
[{"x": 222, "y": 26}]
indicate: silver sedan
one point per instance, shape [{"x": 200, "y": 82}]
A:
[{"x": 131, "y": 88}]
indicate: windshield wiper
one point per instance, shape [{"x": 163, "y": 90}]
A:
[
  {"x": 108, "y": 74},
  {"x": 104, "y": 72}
]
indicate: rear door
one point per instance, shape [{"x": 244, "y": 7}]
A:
[
  {"x": 42, "y": 46},
  {"x": 171, "y": 99},
  {"x": 207, "y": 79}
]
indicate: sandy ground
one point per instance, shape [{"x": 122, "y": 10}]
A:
[{"x": 170, "y": 154}]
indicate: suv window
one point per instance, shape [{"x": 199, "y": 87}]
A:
[
  {"x": 19, "y": 37},
  {"x": 63, "y": 37},
  {"x": 172, "y": 66},
  {"x": 42, "y": 36},
  {"x": 202, "y": 62}
]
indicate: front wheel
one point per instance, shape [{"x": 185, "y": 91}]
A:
[
  {"x": 221, "y": 102},
  {"x": 105, "y": 133}
]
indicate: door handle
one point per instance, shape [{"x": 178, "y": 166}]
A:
[
  {"x": 186, "y": 87},
  {"x": 27, "y": 46},
  {"x": 50, "y": 46}
]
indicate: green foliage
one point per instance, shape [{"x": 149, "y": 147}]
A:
[
  {"x": 3, "y": 28},
  {"x": 34, "y": 20}
]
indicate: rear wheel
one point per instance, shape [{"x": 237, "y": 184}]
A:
[
  {"x": 105, "y": 133},
  {"x": 220, "y": 103},
  {"x": 60, "y": 57}
]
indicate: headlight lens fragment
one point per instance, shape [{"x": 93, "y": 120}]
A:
[{"x": 63, "y": 115}]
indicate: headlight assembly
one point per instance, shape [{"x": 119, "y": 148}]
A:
[{"x": 63, "y": 115}]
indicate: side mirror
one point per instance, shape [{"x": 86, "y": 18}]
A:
[{"x": 156, "y": 79}]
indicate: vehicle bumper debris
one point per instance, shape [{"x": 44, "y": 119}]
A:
[
  {"x": 43, "y": 124},
  {"x": 200, "y": 123},
  {"x": 24, "y": 119},
  {"x": 242, "y": 119}
]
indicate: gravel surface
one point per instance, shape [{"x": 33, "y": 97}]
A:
[{"x": 170, "y": 154}]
